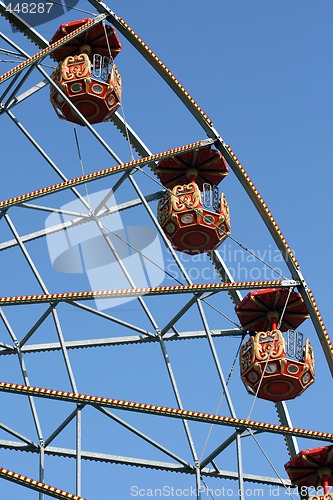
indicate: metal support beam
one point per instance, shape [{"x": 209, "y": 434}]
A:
[
  {"x": 114, "y": 341},
  {"x": 147, "y": 464},
  {"x": 219, "y": 450}
]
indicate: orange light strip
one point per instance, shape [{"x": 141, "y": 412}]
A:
[
  {"x": 138, "y": 292},
  {"x": 165, "y": 69},
  {"x": 263, "y": 204},
  {"x": 44, "y": 52},
  {"x": 36, "y": 485},
  {"x": 97, "y": 175},
  {"x": 163, "y": 411}
]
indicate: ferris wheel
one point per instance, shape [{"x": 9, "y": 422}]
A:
[{"x": 145, "y": 329}]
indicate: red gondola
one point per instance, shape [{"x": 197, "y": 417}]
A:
[
  {"x": 273, "y": 367},
  {"x": 86, "y": 73},
  {"x": 260, "y": 310},
  {"x": 204, "y": 165},
  {"x": 313, "y": 468},
  {"x": 192, "y": 215},
  {"x": 99, "y": 37}
]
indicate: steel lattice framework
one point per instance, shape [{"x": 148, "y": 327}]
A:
[{"x": 161, "y": 309}]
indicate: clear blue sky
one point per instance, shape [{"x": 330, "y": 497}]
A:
[{"x": 262, "y": 71}]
